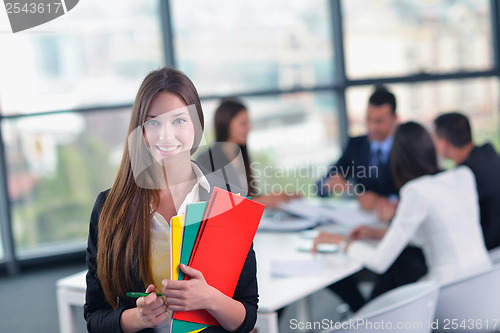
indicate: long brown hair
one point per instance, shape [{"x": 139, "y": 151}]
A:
[
  {"x": 413, "y": 153},
  {"x": 125, "y": 221}
]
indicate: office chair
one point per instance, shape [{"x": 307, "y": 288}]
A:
[
  {"x": 409, "y": 308},
  {"x": 495, "y": 255},
  {"x": 471, "y": 304}
]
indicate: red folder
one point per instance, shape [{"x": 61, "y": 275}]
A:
[{"x": 222, "y": 246}]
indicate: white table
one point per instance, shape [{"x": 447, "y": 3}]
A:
[
  {"x": 274, "y": 292},
  {"x": 277, "y": 292},
  {"x": 70, "y": 294}
]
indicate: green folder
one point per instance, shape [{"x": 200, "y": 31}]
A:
[
  {"x": 181, "y": 326},
  {"x": 192, "y": 222}
]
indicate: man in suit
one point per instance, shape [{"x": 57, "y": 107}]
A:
[
  {"x": 365, "y": 161},
  {"x": 454, "y": 141}
]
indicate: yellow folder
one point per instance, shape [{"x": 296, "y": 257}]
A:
[{"x": 176, "y": 229}]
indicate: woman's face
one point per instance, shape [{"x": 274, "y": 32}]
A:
[
  {"x": 168, "y": 127},
  {"x": 239, "y": 128}
]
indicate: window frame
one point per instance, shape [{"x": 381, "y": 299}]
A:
[{"x": 11, "y": 264}]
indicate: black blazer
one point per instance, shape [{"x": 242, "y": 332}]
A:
[
  {"x": 101, "y": 317},
  {"x": 485, "y": 164},
  {"x": 354, "y": 164}
]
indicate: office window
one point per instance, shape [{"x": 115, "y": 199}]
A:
[
  {"x": 422, "y": 102},
  {"x": 230, "y": 46},
  {"x": 2, "y": 255},
  {"x": 293, "y": 138},
  {"x": 57, "y": 165},
  {"x": 400, "y": 37},
  {"x": 96, "y": 54}
]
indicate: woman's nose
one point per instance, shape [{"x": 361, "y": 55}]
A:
[{"x": 165, "y": 132}]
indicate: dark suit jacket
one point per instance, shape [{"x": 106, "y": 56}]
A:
[
  {"x": 355, "y": 165},
  {"x": 485, "y": 163},
  {"x": 101, "y": 317}
]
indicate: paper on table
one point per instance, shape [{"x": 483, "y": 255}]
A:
[
  {"x": 321, "y": 248},
  {"x": 296, "y": 268},
  {"x": 353, "y": 217},
  {"x": 302, "y": 208},
  {"x": 286, "y": 224},
  {"x": 349, "y": 216}
]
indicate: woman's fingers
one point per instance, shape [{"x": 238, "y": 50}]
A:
[
  {"x": 177, "y": 293},
  {"x": 194, "y": 273},
  {"x": 174, "y": 301},
  {"x": 159, "y": 310}
]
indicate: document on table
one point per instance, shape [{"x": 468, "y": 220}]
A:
[
  {"x": 291, "y": 223},
  {"x": 296, "y": 268},
  {"x": 348, "y": 216}
]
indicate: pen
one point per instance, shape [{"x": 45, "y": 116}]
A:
[{"x": 138, "y": 294}]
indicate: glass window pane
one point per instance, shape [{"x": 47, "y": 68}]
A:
[
  {"x": 96, "y": 54},
  {"x": 2, "y": 254},
  {"x": 228, "y": 46},
  {"x": 57, "y": 165},
  {"x": 293, "y": 138},
  {"x": 422, "y": 102},
  {"x": 399, "y": 37}
]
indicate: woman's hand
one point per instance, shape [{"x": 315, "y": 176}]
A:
[
  {"x": 150, "y": 312},
  {"x": 325, "y": 237},
  {"x": 187, "y": 295},
  {"x": 196, "y": 294}
]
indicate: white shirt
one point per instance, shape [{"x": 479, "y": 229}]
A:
[
  {"x": 160, "y": 230},
  {"x": 439, "y": 213}
]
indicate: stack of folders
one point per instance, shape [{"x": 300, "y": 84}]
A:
[{"x": 213, "y": 237}]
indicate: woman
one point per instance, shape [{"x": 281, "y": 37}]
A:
[
  {"x": 438, "y": 211},
  {"x": 156, "y": 181},
  {"x": 229, "y": 153}
]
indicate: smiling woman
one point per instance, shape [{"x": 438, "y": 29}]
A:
[{"x": 155, "y": 182}]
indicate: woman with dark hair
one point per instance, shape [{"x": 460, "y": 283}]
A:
[
  {"x": 128, "y": 245},
  {"x": 438, "y": 211},
  {"x": 229, "y": 153}
]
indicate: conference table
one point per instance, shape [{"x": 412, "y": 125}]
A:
[{"x": 285, "y": 273}]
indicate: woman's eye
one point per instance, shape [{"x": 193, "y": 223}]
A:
[
  {"x": 179, "y": 121},
  {"x": 152, "y": 122}
]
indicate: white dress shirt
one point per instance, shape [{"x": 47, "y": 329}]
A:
[
  {"x": 439, "y": 213},
  {"x": 160, "y": 231}
]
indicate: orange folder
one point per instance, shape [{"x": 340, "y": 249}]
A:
[{"x": 222, "y": 246}]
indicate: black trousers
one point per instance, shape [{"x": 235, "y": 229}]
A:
[{"x": 408, "y": 267}]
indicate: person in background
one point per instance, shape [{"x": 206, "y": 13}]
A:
[
  {"x": 129, "y": 235},
  {"x": 454, "y": 141},
  {"x": 365, "y": 160},
  {"x": 437, "y": 210},
  {"x": 362, "y": 154},
  {"x": 231, "y": 132}
]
